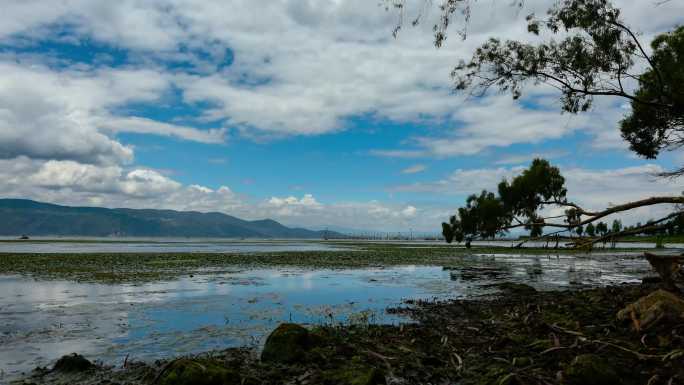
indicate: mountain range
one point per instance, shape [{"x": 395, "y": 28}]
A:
[{"x": 22, "y": 216}]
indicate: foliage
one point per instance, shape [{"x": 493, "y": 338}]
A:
[
  {"x": 488, "y": 215},
  {"x": 617, "y": 226},
  {"x": 601, "y": 228},
  {"x": 658, "y": 124},
  {"x": 597, "y": 56},
  {"x": 590, "y": 230},
  {"x": 520, "y": 203}
]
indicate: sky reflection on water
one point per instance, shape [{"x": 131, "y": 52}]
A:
[{"x": 42, "y": 320}]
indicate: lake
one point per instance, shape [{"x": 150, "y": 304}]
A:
[
  {"x": 160, "y": 245},
  {"x": 213, "y": 245},
  {"x": 42, "y": 320}
]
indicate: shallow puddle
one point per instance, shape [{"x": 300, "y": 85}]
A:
[{"x": 42, "y": 320}]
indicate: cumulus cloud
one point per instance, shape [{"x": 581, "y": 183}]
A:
[
  {"x": 65, "y": 115},
  {"x": 72, "y": 177},
  {"x": 72, "y": 183},
  {"x": 291, "y": 206},
  {"x": 303, "y": 68},
  {"x": 284, "y": 67}
]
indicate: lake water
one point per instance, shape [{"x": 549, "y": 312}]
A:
[
  {"x": 200, "y": 245},
  {"x": 42, "y": 320},
  {"x": 161, "y": 246}
]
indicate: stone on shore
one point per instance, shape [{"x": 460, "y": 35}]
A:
[{"x": 288, "y": 343}]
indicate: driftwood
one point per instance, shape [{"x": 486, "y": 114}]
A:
[{"x": 668, "y": 267}]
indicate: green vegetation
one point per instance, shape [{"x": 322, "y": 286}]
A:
[
  {"x": 145, "y": 267},
  {"x": 518, "y": 204},
  {"x": 654, "y": 238},
  {"x": 199, "y": 372}
]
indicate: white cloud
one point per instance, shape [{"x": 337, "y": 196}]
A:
[
  {"x": 409, "y": 211},
  {"x": 65, "y": 115},
  {"x": 91, "y": 179},
  {"x": 292, "y": 206},
  {"x": 463, "y": 182},
  {"x": 72, "y": 183},
  {"x": 298, "y": 68},
  {"x": 148, "y": 126},
  {"x": 520, "y": 159},
  {"x": 416, "y": 168},
  {"x": 400, "y": 153},
  {"x": 494, "y": 121},
  {"x": 304, "y": 67},
  {"x": 69, "y": 182}
]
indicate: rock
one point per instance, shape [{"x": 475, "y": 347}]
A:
[
  {"x": 73, "y": 363},
  {"x": 197, "y": 372},
  {"x": 286, "y": 344},
  {"x": 656, "y": 308},
  {"x": 590, "y": 369}
]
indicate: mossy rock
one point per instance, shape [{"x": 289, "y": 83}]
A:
[
  {"x": 198, "y": 372},
  {"x": 288, "y": 343},
  {"x": 590, "y": 369},
  {"x": 354, "y": 375},
  {"x": 659, "y": 307},
  {"x": 73, "y": 363},
  {"x": 516, "y": 288}
]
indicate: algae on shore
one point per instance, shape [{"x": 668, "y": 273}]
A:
[
  {"x": 147, "y": 267},
  {"x": 517, "y": 337}
]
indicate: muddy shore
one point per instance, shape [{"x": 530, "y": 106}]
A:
[
  {"x": 519, "y": 336},
  {"x": 114, "y": 268}
]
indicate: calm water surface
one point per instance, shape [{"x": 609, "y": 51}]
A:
[
  {"x": 42, "y": 320},
  {"x": 161, "y": 246},
  {"x": 213, "y": 245}
]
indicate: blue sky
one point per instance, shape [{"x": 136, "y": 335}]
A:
[{"x": 308, "y": 112}]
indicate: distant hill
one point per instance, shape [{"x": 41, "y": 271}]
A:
[{"x": 22, "y": 216}]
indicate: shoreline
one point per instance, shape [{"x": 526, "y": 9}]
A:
[
  {"x": 519, "y": 336},
  {"x": 136, "y": 267}
]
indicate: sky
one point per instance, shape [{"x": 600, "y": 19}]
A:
[{"x": 307, "y": 112}]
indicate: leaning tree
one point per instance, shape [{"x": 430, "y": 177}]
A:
[
  {"x": 591, "y": 53},
  {"x": 537, "y": 199},
  {"x": 594, "y": 54}
]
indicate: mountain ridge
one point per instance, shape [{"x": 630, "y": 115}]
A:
[{"x": 25, "y": 216}]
